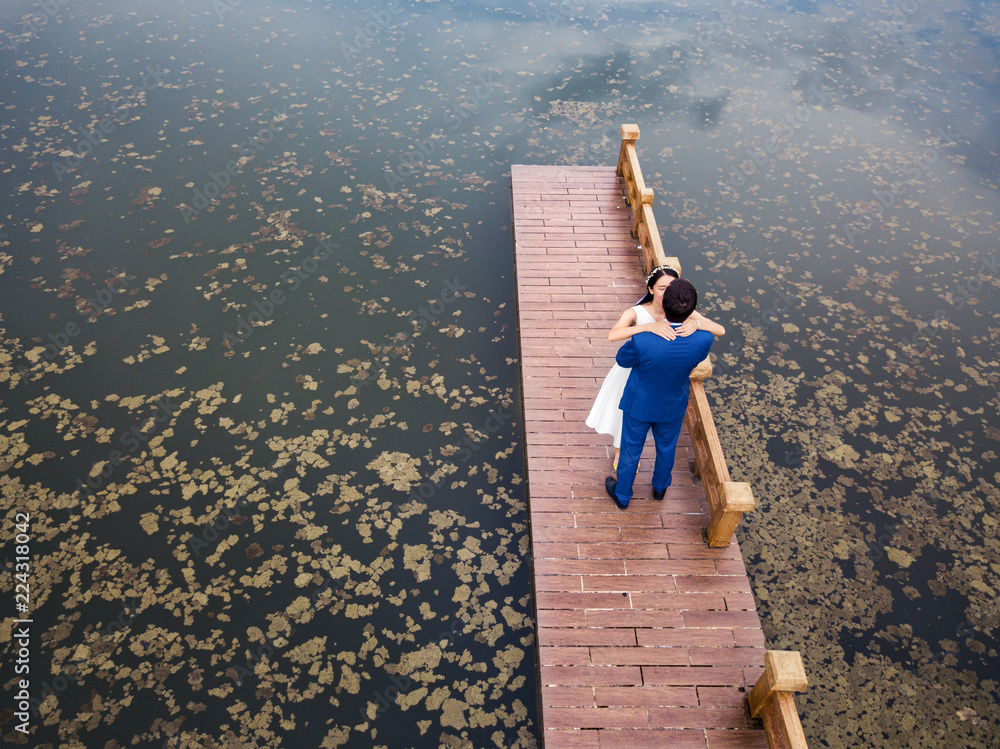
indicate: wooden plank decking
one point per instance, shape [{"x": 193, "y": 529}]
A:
[{"x": 647, "y": 637}]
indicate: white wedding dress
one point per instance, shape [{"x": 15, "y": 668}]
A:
[{"x": 605, "y": 416}]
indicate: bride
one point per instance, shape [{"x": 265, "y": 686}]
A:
[{"x": 645, "y": 317}]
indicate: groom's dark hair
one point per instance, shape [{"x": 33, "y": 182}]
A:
[{"x": 679, "y": 300}]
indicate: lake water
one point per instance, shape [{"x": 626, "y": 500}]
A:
[{"x": 259, "y": 350}]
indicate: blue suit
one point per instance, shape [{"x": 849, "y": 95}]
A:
[{"x": 655, "y": 397}]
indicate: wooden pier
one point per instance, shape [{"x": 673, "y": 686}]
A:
[{"x": 647, "y": 636}]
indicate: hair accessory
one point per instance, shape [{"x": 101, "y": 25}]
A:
[{"x": 657, "y": 269}]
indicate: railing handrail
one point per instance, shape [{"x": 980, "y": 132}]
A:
[
  {"x": 784, "y": 673},
  {"x": 640, "y": 199},
  {"x": 727, "y": 499}
]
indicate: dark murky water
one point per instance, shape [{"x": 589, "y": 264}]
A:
[{"x": 259, "y": 350}]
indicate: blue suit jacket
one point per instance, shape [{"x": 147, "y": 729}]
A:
[{"x": 657, "y": 387}]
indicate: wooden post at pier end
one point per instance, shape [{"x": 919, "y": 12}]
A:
[{"x": 772, "y": 700}]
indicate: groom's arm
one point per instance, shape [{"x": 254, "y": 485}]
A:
[{"x": 628, "y": 355}]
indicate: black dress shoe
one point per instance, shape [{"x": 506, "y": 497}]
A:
[
  {"x": 610, "y": 484},
  {"x": 659, "y": 495}
]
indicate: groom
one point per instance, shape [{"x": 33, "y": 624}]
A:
[{"x": 656, "y": 394}]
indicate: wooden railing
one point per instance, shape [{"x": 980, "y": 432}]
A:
[
  {"x": 727, "y": 499},
  {"x": 771, "y": 698},
  {"x": 640, "y": 200}
]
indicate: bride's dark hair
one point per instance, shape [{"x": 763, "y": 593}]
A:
[{"x": 655, "y": 275}]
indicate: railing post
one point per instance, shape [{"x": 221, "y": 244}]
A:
[
  {"x": 645, "y": 199},
  {"x": 771, "y": 699},
  {"x": 735, "y": 498},
  {"x": 704, "y": 369},
  {"x": 626, "y": 155}
]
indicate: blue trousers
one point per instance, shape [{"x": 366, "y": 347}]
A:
[{"x": 634, "y": 431}]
